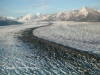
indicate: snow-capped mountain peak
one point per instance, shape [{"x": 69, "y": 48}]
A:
[
  {"x": 38, "y": 14},
  {"x": 29, "y": 16},
  {"x": 84, "y": 11},
  {"x": 85, "y": 8}
]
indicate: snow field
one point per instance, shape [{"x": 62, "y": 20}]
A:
[{"x": 80, "y": 35}]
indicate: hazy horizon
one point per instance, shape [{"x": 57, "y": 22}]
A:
[{"x": 24, "y": 7}]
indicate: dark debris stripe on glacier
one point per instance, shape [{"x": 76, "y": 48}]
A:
[{"x": 68, "y": 60}]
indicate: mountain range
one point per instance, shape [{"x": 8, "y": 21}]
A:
[{"x": 84, "y": 14}]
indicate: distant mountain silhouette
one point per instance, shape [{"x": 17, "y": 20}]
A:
[{"x": 5, "y": 21}]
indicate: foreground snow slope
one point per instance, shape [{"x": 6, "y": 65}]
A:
[{"x": 81, "y": 35}]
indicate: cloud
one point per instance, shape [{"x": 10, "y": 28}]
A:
[
  {"x": 21, "y": 11},
  {"x": 10, "y": 17},
  {"x": 37, "y": 5},
  {"x": 38, "y": 0},
  {"x": 95, "y": 5}
]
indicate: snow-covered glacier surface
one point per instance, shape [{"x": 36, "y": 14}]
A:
[
  {"x": 80, "y": 35},
  {"x": 23, "y": 58}
]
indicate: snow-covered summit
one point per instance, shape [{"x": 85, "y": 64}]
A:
[
  {"x": 28, "y": 17},
  {"x": 85, "y": 8},
  {"x": 88, "y": 14},
  {"x": 38, "y": 14}
]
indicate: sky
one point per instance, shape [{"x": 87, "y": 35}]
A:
[{"x": 17, "y": 8}]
